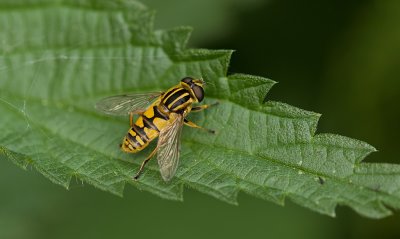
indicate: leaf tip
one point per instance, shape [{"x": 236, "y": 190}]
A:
[
  {"x": 175, "y": 39},
  {"x": 244, "y": 85}
]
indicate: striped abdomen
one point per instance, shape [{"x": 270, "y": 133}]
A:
[{"x": 146, "y": 128}]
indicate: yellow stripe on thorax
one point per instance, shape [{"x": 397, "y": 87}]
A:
[
  {"x": 186, "y": 105},
  {"x": 180, "y": 97},
  {"x": 172, "y": 93}
]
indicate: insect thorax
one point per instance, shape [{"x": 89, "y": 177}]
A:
[{"x": 176, "y": 99}]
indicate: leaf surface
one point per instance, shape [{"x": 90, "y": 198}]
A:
[{"x": 57, "y": 58}]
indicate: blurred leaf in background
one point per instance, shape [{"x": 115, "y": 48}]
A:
[
  {"x": 327, "y": 56},
  {"x": 212, "y": 20},
  {"x": 365, "y": 68}
]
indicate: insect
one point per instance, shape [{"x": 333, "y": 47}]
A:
[{"x": 160, "y": 114}]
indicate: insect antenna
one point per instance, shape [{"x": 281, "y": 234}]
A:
[{"x": 207, "y": 82}]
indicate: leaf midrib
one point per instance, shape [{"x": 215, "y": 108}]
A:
[
  {"x": 194, "y": 142},
  {"x": 66, "y": 103}
]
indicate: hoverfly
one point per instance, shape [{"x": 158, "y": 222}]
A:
[{"x": 161, "y": 114}]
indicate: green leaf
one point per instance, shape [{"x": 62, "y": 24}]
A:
[{"x": 59, "y": 57}]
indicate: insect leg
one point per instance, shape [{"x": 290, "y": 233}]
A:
[
  {"x": 131, "y": 119},
  {"x": 144, "y": 164},
  {"x": 193, "y": 125},
  {"x": 203, "y": 107}
]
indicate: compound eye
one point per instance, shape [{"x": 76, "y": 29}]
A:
[
  {"x": 198, "y": 92},
  {"x": 187, "y": 80}
]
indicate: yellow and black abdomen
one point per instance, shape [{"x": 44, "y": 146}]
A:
[
  {"x": 146, "y": 128},
  {"x": 149, "y": 124}
]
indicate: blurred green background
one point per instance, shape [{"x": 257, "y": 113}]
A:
[{"x": 336, "y": 57}]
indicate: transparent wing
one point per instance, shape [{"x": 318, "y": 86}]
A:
[
  {"x": 168, "y": 148},
  {"x": 124, "y": 104}
]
